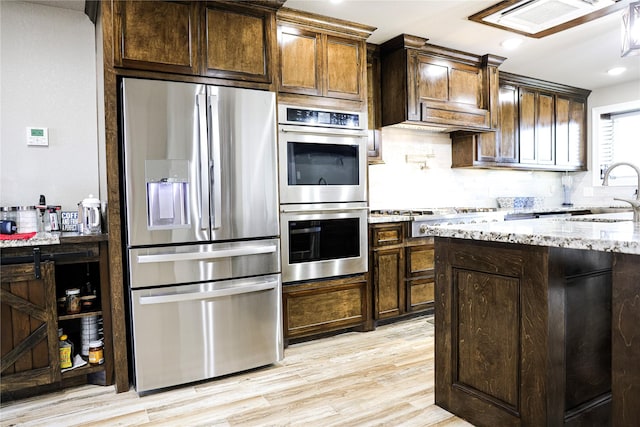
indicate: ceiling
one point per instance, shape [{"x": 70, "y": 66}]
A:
[{"x": 579, "y": 56}]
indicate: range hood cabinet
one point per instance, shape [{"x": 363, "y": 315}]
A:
[{"x": 437, "y": 88}]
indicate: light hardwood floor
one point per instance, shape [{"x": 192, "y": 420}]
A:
[{"x": 379, "y": 378}]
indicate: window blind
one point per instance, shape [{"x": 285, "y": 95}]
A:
[{"x": 619, "y": 141}]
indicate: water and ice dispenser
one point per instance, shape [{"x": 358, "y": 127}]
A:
[{"x": 167, "y": 194}]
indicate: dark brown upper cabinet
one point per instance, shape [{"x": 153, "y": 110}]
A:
[
  {"x": 542, "y": 126},
  {"x": 321, "y": 57},
  {"x": 433, "y": 86},
  {"x": 157, "y": 36},
  {"x": 219, "y": 39},
  {"x": 239, "y": 42}
]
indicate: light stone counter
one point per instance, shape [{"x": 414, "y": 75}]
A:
[
  {"x": 381, "y": 219},
  {"x": 607, "y": 232},
  {"x": 53, "y": 238},
  {"x": 40, "y": 239}
]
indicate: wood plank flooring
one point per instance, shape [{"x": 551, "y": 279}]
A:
[{"x": 379, "y": 378}]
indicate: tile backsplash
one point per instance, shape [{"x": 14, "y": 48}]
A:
[{"x": 399, "y": 183}]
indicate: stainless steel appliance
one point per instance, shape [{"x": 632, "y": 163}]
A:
[
  {"x": 323, "y": 192},
  {"x": 202, "y": 232},
  {"x": 323, "y": 155},
  {"x": 323, "y": 240}
]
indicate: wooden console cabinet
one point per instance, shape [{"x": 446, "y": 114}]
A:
[
  {"x": 33, "y": 279},
  {"x": 523, "y": 334},
  {"x": 401, "y": 271}
]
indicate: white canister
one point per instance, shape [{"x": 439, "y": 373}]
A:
[{"x": 27, "y": 219}]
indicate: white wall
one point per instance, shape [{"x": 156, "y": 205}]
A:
[
  {"x": 398, "y": 184},
  {"x": 47, "y": 79}
]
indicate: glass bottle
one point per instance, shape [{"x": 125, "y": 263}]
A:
[{"x": 66, "y": 352}]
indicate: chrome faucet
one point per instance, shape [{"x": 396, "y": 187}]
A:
[{"x": 635, "y": 204}]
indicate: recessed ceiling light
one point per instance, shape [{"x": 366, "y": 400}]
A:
[
  {"x": 335, "y": 1},
  {"x": 616, "y": 71},
  {"x": 511, "y": 44}
]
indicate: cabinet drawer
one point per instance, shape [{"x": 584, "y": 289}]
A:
[
  {"x": 420, "y": 260},
  {"x": 324, "y": 306},
  {"x": 387, "y": 235},
  {"x": 421, "y": 294}
]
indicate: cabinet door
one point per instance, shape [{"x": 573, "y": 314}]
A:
[
  {"x": 324, "y": 306},
  {"x": 545, "y": 130},
  {"x": 300, "y": 55},
  {"x": 570, "y": 133},
  {"x": 344, "y": 68},
  {"x": 30, "y": 355},
  {"x": 508, "y": 129},
  {"x": 527, "y": 113},
  {"x": 446, "y": 92},
  {"x": 157, "y": 36},
  {"x": 537, "y": 142},
  {"x": 238, "y": 42},
  {"x": 388, "y": 283}
]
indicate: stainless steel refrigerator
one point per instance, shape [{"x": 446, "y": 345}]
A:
[{"x": 200, "y": 214}]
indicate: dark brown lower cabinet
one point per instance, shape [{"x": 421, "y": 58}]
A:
[
  {"x": 523, "y": 334},
  {"x": 324, "y": 306},
  {"x": 33, "y": 280},
  {"x": 30, "y": 355},
  {"x": 626, "y": 340},
  {"x": 401, "y": 271}
]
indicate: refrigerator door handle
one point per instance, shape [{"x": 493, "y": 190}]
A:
[
  {"x": 204, "y": 162},
  {"x": 237, "y": 290},
  {"x": 195, "y": 256},
  {"x": 216, "y": 173}
]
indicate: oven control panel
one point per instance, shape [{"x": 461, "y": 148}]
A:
[{"x": 315, "y": 117}]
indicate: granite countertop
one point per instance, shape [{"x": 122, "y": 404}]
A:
[
  {"x": 53, "y": 238},
  {"x": 602, "y": 232},
  {"x": 380, "y": 219}
]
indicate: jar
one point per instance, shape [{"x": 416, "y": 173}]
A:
[
  {"x": 9, "y": 213},
  {"x": 66, "y": 353},
  {"x": 96, "y": 353},
  {"x": 27, "y": 219},
  {"x": 74, "y": 304}
]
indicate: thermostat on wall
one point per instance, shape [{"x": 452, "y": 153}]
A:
[{"x": 38, "y": 136}]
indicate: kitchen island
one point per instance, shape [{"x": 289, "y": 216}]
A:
[{"x": 537, "y": 321}]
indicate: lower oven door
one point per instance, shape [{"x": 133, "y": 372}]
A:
[
  {"x": 323, "y": 240},
  {"x": 193, "y": 332}
]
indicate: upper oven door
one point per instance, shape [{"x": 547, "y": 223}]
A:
[{"x": 322, "y": 165}]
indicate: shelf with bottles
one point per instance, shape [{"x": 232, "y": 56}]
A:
[{"x": 84, "y": 280}]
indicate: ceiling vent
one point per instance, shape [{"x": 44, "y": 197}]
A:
[{"x": 537, "y": 18}]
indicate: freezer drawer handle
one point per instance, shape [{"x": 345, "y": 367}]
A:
[
  {"x": 194, "y": 256},
  {"x": 244, "y": 289}
]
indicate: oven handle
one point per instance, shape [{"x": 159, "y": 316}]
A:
[
  {"x": 237, "y": 290},
  {"x": 309, "y": 130},
  {"x": 195, "y": 256},
  {"x": 321, "y": 210}
]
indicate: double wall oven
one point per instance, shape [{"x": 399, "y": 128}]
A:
[{"x": 323, "y": 192}]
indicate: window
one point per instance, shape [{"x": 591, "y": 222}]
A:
[{"x": 618, "y": 140}]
